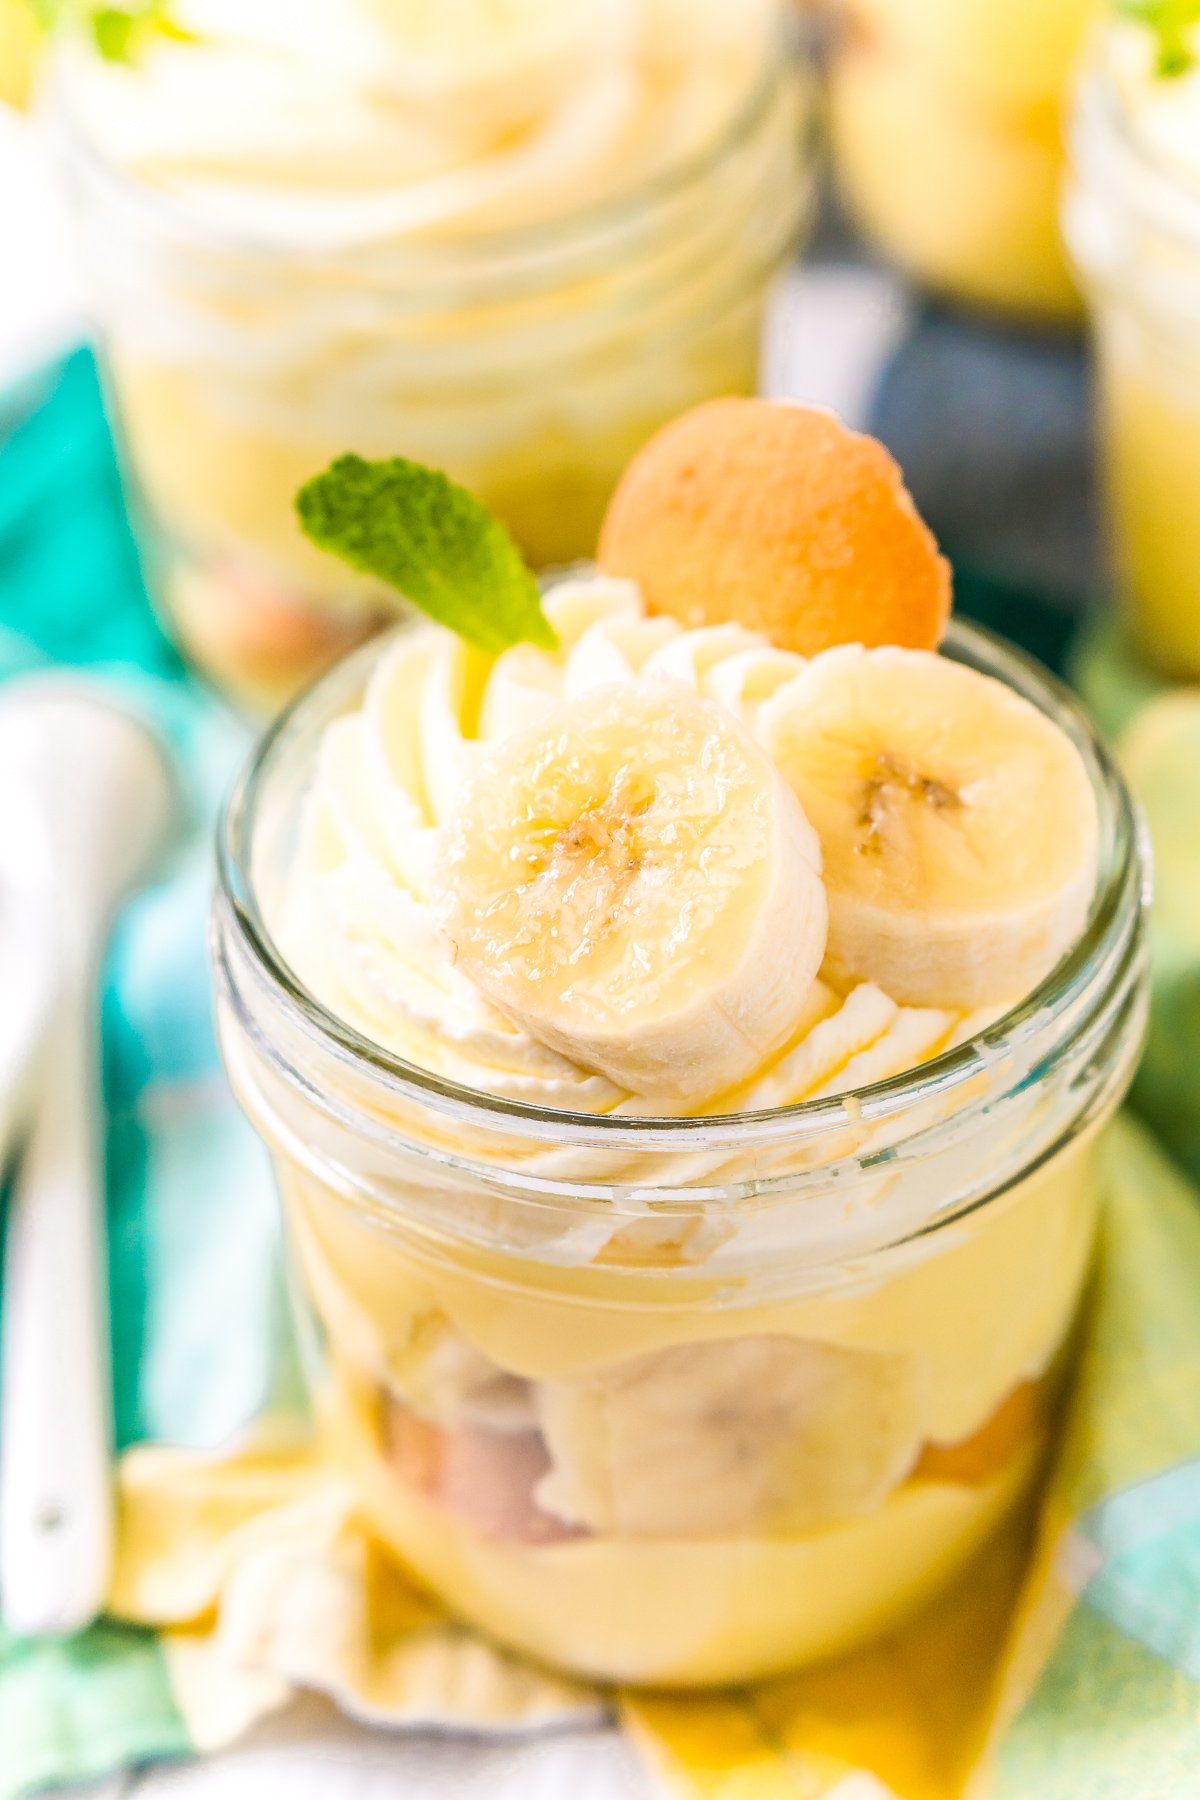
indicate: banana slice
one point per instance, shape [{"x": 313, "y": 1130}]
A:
[
  {"x": 776, "y": 1433},
  {"x": 957, "y": 824},
  {"x": 443, "y": 1378},
  {"x": 631, "y": 881}
]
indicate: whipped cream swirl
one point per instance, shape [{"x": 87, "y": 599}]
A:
[
  {"x": 357, "y": 922},
  {"x": 327, "y": 122},
  {"x": 1161, "y": 112}
]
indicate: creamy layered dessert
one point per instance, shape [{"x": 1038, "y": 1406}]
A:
[
  {"x": 1133, "y": 222},
  {"x": 690, "y": 1249},
  {"x": 505, "y": 239},
  {"x": 947, "y": 121}
]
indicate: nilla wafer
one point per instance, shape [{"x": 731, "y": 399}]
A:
[{"x": 779, "y": 518}]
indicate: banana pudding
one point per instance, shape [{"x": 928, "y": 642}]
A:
[
  {"x": 682, "y": 1054},
  {"x": 507, "y": 239},
  {"x": 1133, "y": 223}
]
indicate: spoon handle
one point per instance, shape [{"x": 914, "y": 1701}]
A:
[{"x": 56, "y": 1503}]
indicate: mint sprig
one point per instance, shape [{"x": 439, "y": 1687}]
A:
[
  {"x": 432, "y": 541},
  {"x": 120, "y": 33},
  {"x": 1172, "y": 23}
]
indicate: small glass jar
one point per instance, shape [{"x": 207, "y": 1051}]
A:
[
  {"x": 947, "y": 131},
  {"x": 684, "y": 1401},
  {"x": 530, "y": 363},
  {"x": 1132, "y": 221}
]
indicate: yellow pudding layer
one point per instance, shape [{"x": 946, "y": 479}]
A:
[
  {"x": 1133, "y": 218},
  {"x": 219, "y": 481},
  {"x": 1150, "y": 408},
  {"x": 256, "y": 607},
  {"x": 973, "y": 1322},
  {"x": 969, "y": 1319},
  {"x": 694, "y": 1613},
  {"x": 222, "y": 481}
]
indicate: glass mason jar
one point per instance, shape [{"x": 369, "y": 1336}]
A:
[
  {"x": 530, "y": 363},
  {"x": 1132, "y": 221},
  {"x": 683, "y": 1401},
  {"x": 947, "y": 131}
]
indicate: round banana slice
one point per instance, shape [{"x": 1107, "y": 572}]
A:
[
  {"x": 958, "y": 826},
  {"x": 631, "y": 881},
  {"x": 746, "y": 1434}
]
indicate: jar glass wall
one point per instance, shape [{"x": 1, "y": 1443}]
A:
[
  {"x": 1132, "y": 216},
  {"x": 683, "y": 1401},
  {"x": 529, "y": 362},
  {"x": 947, "y": 126}
]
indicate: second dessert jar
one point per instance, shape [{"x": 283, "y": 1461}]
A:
[
  {"x": 1133, "y": 223},
  {"x": 508, "y": 247}
]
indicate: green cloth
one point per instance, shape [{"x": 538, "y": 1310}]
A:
[
  {"x": 190, "y": 1203},
  {"x": 201, "y": 1342},
  {"x": 1115, "y": 1714}
]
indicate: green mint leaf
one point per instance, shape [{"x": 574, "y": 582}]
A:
[
  {"x": 120, "y": 33},
  {"x": 115, "y": 33},
  {"x": 1174, "y": 58},
  {"x": 1171, "y": 22},
  {"x": 433, "y": 542}
]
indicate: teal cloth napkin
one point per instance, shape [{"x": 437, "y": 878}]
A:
[{"x": 200, "y": 1335}]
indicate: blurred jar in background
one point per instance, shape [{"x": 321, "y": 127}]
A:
[
  {"x": 947, "y": 130},
  {"x": 509, "y": 241},
  {"x": 1133, "y": 223}
]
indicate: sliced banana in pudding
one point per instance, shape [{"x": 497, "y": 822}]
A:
[
  {"x": 958, "y": 825},
  {"x": 764, "y": 1433},
  {"x": 632, "y": 882}
]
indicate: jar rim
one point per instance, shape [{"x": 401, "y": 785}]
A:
[
  {"x": 785, "y": 59},
  {"x": 1032, "y": 1033}
]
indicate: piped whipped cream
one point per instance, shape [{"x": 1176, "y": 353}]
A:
[
  {"x": 356, "y": 919},
  {"x": 1162, "y": 111},
  {"x": 324, "y": 122}
]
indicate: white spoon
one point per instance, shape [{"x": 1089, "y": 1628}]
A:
[{"x": 103, "y": 794}]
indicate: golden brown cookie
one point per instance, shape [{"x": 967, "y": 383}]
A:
[{"x": 780, "y": 518}]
